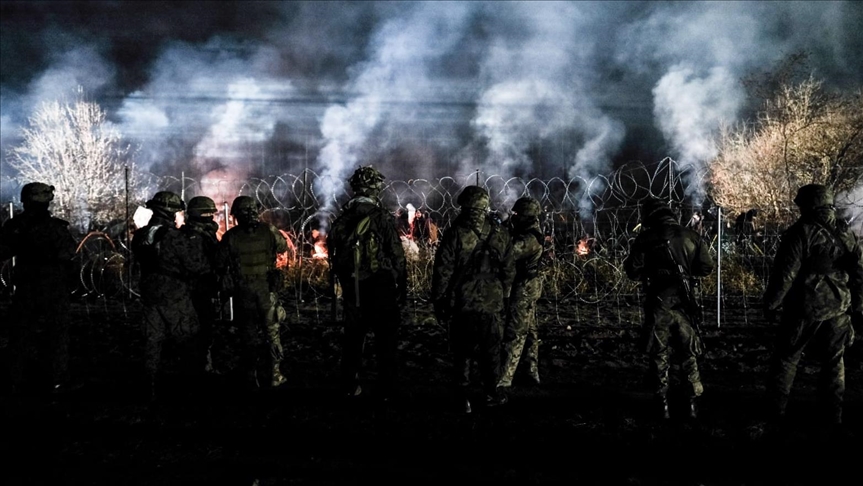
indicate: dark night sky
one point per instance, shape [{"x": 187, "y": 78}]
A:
[{"x": 420, "y": 89}]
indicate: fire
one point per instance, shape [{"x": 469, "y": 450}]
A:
[
  {"x": 584, "y": 245},
  {"x": 319, "y": 250}
]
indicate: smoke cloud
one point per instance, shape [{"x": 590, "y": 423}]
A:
[{"x": 418, "y": 89}]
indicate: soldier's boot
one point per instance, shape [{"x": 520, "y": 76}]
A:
[
  {"x": 497, "y": 398},
  {"x": 662, "y": 407},
  {"x": 534, "y": 374},
  {"x": 776, "y": 414},
  {"x": 834, "y": 414},
  {"x": 278, "y": 378},
  {"x": 251, "y": 381},
  {"x": 693, "y": 408},
  {"x": 354, "y": 391}
]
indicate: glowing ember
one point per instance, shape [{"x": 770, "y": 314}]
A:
[
  {"x": 319, "y": 250},
  {"x": 584, "y": 245}
]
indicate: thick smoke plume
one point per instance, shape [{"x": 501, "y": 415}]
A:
[{"x": 419, "y": 89}]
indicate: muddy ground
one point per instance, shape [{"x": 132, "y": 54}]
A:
[{"x": 588, "y": 423}]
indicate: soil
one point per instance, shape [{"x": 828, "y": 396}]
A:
[{"x": 589, "y": 422}]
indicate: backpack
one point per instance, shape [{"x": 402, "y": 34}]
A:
[
  {"x": 479, "y": 284},
  {"x": 359, "y": 253},
  {"x": 147, "y": 245}
]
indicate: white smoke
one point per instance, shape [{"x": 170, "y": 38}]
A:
[
  {"x": 396, "y": 72},
  {"x": 527, "y": 88},
  {"x": 541, "y": 91},
  {"x": 690, "y": 109},
  {"x": 210, "y": 105}
]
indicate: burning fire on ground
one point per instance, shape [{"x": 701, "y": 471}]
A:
[
  {"x": 584, "y": 246},
  {"x": 319, "y": 248}
]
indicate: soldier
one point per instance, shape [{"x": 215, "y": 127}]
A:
[
  {"x": 43, "y": 278},
  {"x": 471, "y": 284},
  {"x": 521, "y": 331},
  {"x": 367, "y": 257},
  {"x": 665, "y": 256},
  {"x": 250, "y": 250},
  {"x": 201, "y": 226},
  {"x": 817, "y": 281},
  {"x": 170, "y": 263}
]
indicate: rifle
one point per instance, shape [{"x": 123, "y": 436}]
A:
[{"x": 693, "y": 307}]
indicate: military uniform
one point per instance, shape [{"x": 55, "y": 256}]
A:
[
  {"x": 250, "y": 250},
  {"x": 43, "y": 278},
  {"x": 654, "y": 257},
  {"x": 521, "y": 333},
  {"x": 374, "y": 302},
  {"x": 471, "y": 297},
  {"x": 201, "y": 228},
  {"x": 817, "y": 281},
  {"x": 170, "y": 263}
]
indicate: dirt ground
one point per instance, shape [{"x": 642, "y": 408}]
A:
[{"x": 588, "y": 423}]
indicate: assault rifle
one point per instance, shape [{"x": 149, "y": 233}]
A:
[{"x": 689, "y": 284}]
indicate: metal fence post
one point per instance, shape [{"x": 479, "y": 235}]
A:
[{"x": 718, "y": 266}]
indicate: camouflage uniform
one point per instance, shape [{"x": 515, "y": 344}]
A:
[
  {"x": 521, "y": 327},
  {"x": 170, "y": 263},
  {"x": 817, "y": 280},
  {"x": 250, "y": 250},
  {"x": 201, "y": 228},
  {"x": 43, "y": 278},
  {"x": 381, "y": 294},
  {"x": 667, "y": 319},
  {"x": 472, "y": 299}
]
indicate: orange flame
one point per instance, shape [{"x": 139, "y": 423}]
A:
[
  {"x": 584, "y": 245},
  {"x": 319, "y": 250}
]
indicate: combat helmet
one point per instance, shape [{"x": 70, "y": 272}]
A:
[
  {"x": 367, "y": 181},
  {"x": 167, "y": 201},
  {"x": 527, "y": 207},
  {"x": 654, "y": 208},
  {"x": 200, "y": 205},
  {"x": 37, "y": 192},
  {"x": 473, "y": 197},
  {"x": 812, "y": 196},
  {"x": 245, "y": 209}
]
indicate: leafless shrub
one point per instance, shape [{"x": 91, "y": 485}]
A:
[
  {"x": 73, "y": 147},
  {"x": 802, "y": 135}
]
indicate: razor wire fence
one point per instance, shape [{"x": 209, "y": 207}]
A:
[{"x": 588, "y": 226}]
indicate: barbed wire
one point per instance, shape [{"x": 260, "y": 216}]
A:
[{"x": 589, "y": 226}]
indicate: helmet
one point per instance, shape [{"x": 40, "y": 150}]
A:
[
  {"x": 166, "y": 200},
  {"x": 244, "y": 204},
  {"x": 367, "y": 181},
  {"x": 527, "y": 207},
  {"x": 813, "y": 196},
  {"x": 653, "y": 207},
  {"x": 473, "y": 197},
  {"x": 37, "y": 192},
  {"x": 200, "y": 205}
]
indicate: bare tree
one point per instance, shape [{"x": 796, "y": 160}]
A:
[
  {"x": 73, "y": 147},
  {"x": 801, "y": 135}
]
